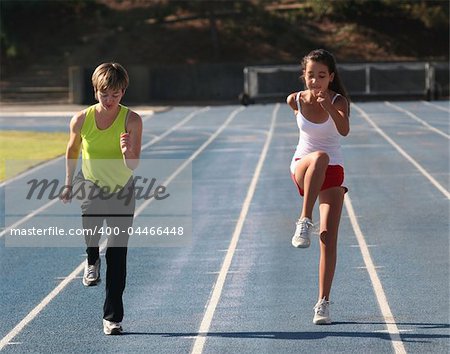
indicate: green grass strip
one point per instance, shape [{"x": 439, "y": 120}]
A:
[{"x": 27, "y": 149}]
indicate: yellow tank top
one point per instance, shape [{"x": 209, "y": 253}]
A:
[{"x": 102, "y": 159}]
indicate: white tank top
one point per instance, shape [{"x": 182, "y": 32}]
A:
[{"x": 317, "y": 137}]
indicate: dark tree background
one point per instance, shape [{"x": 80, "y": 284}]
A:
[{"x": 254, "y": 31}]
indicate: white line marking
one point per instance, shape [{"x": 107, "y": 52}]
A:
[
  {"x": 413, "y": 116},
  {"x": 33, "y": 313},
  {"x": 194, "y": 155},
  {"x": 153, "y": 141},
  {"x": 64, "y": 277},
  {"x": 386, "y": 331},
  {"x": 436, "y": 106},
  {"x": 33, "y": 169},
  {"x": 389, "y": 320},
  {"x": 200, "y": 339},
  {"x": 411, "y": 133},
  {"x": 146, "y": 117},
  {"x": 175, "y": 127},
  {"x": 403, "y": 152},
  {"x": 28, "y": 217},
  {"x": 229, "y": 272}
]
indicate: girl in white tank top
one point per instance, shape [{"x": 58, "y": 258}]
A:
[
  {"x": 317, "y": 137},
  {"x": 316, "y": 168}
]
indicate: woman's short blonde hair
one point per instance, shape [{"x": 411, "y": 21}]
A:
[{"x": 110, "y": 76}]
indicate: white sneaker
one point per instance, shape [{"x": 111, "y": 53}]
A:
[
  {"x": 91, "y": 274},
  {"x": 322, "y": 312},
  {"x": 302, "y": 235},
  {"x": 112, "y": 328}
]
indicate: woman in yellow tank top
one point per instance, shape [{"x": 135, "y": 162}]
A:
[{"x": 109, "y": 138}]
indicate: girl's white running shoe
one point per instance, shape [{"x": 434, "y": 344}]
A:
[
  {"x": 322, "y": 312},
  {"x": 302, "y": 235}
]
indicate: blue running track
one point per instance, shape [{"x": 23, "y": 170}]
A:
[{"x": 238, "y": 286}]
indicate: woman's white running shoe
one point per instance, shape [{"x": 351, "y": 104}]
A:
[
  {"x": 91, "y": 275},
  {"x": 322, "y": 312},
  {"x": 112, "y": 328},
  {"x": 302, "y": 235}
]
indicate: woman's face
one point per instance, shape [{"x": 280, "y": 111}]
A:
[
  {"x": 317, "y": 77},
  {"x": 109, "y": 99}
]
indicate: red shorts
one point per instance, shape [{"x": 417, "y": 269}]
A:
[{"x": 334, "y": 177}]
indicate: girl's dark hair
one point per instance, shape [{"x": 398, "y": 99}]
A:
[{"x": 324, "y": 57}]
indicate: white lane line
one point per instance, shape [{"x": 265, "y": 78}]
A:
[
  {"x": 200, "y": 339},
  {"x": 386, "y": 331},
  {"x": 389, "y": 320},
  {"x": 146, "y": 117},
  {"x": 175, "y": 127},
  {"x": 194, "y": 155},
  {"x": 229, "y": 272},
  {"x": 437, "y": 106},
  {"x": 64, "y": 277},
  {"x": 33, "y": 169},
  {"x": 153, "y": 141},
  {"x": 416, "y": 118},
  {"x": 74, "y": 275},
  {"x": 34, "y": 312},
  {"x": 433, "y": 181},
  {"x": 28, "y": 217}
]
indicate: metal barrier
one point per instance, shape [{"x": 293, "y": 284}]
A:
[{"x": 429, "y": 80}]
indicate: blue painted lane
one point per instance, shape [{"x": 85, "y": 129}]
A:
[
  {"x": 172, "y": 284},
  {"x": 31, "y": 273},
  {"x": 405, "y": 219},
  {"x": 266, "y": 304}
]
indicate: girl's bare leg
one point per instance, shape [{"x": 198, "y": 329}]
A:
[
  {"x": 331, "y": 201},
  {"x": 310, "y": 174}
]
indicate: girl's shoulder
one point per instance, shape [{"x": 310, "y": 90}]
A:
[
  {"x": 77, "y": 120},
  {"x": 292, "y": 99},
  {"x": 335, "y": 96},
  {"x": 133, "y": 121},
  {"x": 338, "y": 99}
]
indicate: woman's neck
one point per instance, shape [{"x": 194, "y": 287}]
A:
[{"x": 107, "y": 113}]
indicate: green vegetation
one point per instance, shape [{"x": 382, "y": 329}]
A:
[
  {"x": 253, "y": 31},
  {"x": 28, "y": 149}
]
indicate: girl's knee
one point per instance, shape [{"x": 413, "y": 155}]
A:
[
  {"x": 320, "y": 159},
  {"x": 328, "y": 240}
]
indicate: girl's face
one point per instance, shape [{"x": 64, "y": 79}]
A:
[
  {"x": 109, "y": 99},
  {"x": 317, "y": 77}
]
